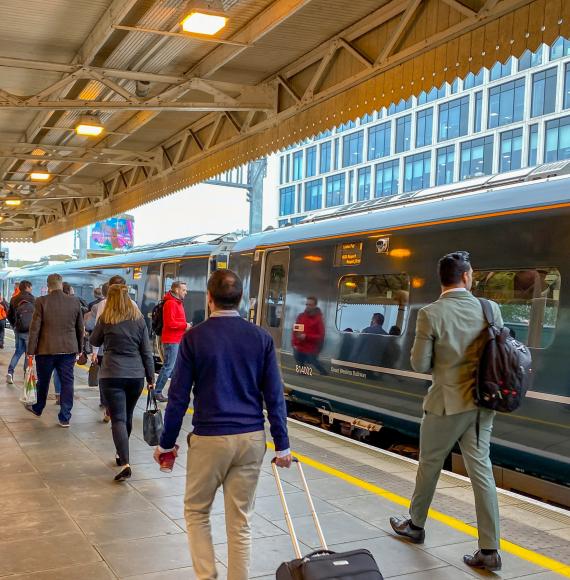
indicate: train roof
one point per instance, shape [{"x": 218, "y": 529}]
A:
[{"x": 527, "y": 188}]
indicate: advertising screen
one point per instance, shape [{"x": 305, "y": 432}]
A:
[{"x": 112, "y": 234}]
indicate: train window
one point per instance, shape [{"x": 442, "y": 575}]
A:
[
  {"x": 528, "y": 300},
  {"x": 373, "y": 304},
  {"x": 276, "y": 289},
  {"x": 134, "y": 292}
]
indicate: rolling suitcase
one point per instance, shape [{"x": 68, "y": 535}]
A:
[{"x": 323, "y": 564}]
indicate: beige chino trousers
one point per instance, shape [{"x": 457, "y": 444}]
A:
[{"x": 232, "y": 462}]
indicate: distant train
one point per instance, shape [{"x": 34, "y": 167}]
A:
[{"x": 380, "y": 256}]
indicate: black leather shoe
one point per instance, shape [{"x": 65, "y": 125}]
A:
[
  {"x": 124, "y": 474},
  {"x": 491, "y": 562},
  {"x": 30, "y": 408},
  {"x": 402, "y": 527}
]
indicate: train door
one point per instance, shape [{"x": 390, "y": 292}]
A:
[
  {"x": 169, "y": 275},
  {"x": 274, "y": 287}
]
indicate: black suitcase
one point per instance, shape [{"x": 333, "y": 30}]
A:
[{"x": 322, "y": 564}]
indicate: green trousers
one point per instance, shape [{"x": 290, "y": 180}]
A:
[{"x": 438, "y": 435}]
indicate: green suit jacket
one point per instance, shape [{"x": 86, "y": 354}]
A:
[{"x": 448, "y": 343}]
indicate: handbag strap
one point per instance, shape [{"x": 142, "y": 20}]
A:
[{"x": 151, "y": 400}]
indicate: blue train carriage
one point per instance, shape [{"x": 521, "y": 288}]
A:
[{"x": 379, "y": 257}]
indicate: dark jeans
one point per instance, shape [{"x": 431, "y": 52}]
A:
[
  {"x": 63, "y": 364},
  {"x": 305, "y": 358},
  {"x": 21, "y": 347},
  {"x": 121, "y": 396},
  {"x": 170, "y": 350},
  {"x": 2, "y": 332}
]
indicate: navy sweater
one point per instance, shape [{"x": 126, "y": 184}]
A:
[{"x": 230, "y": 366}]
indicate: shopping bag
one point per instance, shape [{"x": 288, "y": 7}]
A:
[
  {"x": 29, "y": 393},
  {"x": 93, "y": 377},
  {"x": 152, "y": 420}
]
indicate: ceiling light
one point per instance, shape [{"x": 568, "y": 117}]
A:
[
  {"x": 206, "y": 17},
  {"x": 39, "y": 176},
  {"x": 89, "y": 126},
  {"x": 13, "y": 201}
]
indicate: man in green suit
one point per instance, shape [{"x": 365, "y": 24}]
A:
[{"x": 449, "y": 343}]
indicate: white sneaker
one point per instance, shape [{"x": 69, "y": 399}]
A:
[{"x": 9, "y": 379}]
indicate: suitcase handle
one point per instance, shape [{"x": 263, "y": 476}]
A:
[{"x": 288, "y": 518}]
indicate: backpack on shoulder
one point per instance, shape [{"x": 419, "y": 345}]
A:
[
  {"x": 504, "y": 373},
  {"x": 3, "y": 313},
  {"x": 24, "y": 314},
  {"x": 157, "y": 318}
]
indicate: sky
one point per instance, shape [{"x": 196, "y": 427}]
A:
[{"x": 195, "y": 210}]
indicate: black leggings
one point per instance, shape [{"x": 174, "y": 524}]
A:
[{"x": 121, "y": 396}]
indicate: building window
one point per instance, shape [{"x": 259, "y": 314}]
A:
[
  {"x": 478, "y": 112},
  {"x": 335, "y": 189},
  {"x": 287, "y": 200},
  {"x": 403, "y": 131},
  {"x": 387, "y": 178},
  {"x": 506, "y": 103},
  {"x": 379, "y": 138},
  {"x": 424, "y": 127},
  {"x": 499, "y": 71},
  {"x": 364, "y": 176},
  {"x": 352, "y": 148},
  {"x": 325, "y": 152},
  {"x": 374, "y": 304},
  {"x": 543, "y": 92},
  {"x": 532, "y": 145},
  {"x": 323, "y": 135},
  {"x": 453, "y": 119},
  {"x": 510, "y": 155},
  {"x": 531, "y": 59},
  {"x": 476, "y": 158},
  {"x": 528, "y": 300},
  {"x": 336, "y": 153},
  {"x": 434, "y": 94},
  {"x": 345, "y": 126},
  {"x": 400, "y": 107},
  {"x": 557, "y": 141},
  {"x": 417, "y": 171},
  {"x": 350, "y": 186},
  {"x": 287, "y": 168},
  {"x": 455, "y": 86},
  {"x": 560, "y": 48},
  {"x": 311, "y": 162},
  {"x": 282, "y": 175},
  {"x": 365, "y": 119},
  {"x": 567, "y": 87},
  {"x": 297, "y": 165},
  {"x": 313, "y": 195},
  {"x": 472, "y": 80},
  {"x": 445, "y": 165}
]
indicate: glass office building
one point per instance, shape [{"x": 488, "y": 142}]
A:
[{"x": 515, "y": 115}]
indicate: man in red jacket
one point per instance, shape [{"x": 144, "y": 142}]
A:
[
  {"x": 309, "y": 336},
  {"x": 174, "y": 326}
]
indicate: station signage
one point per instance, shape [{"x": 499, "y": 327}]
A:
[{"x": 348, "y": 254}]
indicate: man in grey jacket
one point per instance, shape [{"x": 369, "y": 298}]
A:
[
  {"x": 56, "y": 337},
  {"x": 449, "y": 342}
]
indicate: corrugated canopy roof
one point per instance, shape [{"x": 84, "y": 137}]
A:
[{"x": 178, "y": 109}]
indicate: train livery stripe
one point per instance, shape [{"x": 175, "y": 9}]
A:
[
  {"x": 423, "y": 377},
  {"x": 523, "y": 553}
]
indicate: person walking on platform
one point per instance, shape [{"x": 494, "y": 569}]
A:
[
  {"x": 449, "y": 342},
  {"x": 97, "y": 297},
  {"x": 230, "y": 367},
  {"x": 4, "y": 308},
  {"x": 56, "y": 338},
  {"x": 174, "y": 326},
  {"x": 20, "y": 314},
  {"x": 128, "y": 360}
]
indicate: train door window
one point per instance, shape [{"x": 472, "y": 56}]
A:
[
  {"x": 528, "y": 300},
  {"x": 169, "y": 275},
  {"x": 134, "y": 292},
  {"x": 275, "y": 290},
  {"x": 373, "y": 304}
]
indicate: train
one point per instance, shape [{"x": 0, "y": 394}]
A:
[{"x": 380, "y": 257}]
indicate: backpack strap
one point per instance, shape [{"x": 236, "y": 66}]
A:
[{"x": 487, "y": 311}]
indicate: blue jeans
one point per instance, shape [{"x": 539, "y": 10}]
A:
[
  {"x": 170, "y": 353},
  {"x": 63, "y": 364},
  {"x": 56, "y": 383},
  {"x": 21, "y": 347}
]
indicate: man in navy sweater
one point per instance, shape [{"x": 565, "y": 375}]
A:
[{"x": 230, "y": 367}]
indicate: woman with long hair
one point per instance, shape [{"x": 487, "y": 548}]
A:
[{"x": 128, "y": 359}]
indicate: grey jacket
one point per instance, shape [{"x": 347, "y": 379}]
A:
[
  {"x": 128, "y": 354},
  {"x": 449, "y": 343},
  {"x": 57, "y": 325}
]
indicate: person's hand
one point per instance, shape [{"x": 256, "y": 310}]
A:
[
  {"x": 189, "y": 326},
  {"x": 94, "y": 358},
  {"x": 284, "y": 461},
  {"x": 158, "y": 452},
  {"x": 150, "y": 386}
]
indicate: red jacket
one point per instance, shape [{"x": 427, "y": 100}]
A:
[
  {"x": 173, "y": 319},
  {"x": 314, "y": 331}
]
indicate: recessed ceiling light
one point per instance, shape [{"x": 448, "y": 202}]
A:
[{"x": 39, "y": 176}]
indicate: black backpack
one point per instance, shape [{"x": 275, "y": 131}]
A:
[
  {"x": 24, "y": 313},
  {"x": 504, "y": 372},
  {"x": 157, "y": 320}
]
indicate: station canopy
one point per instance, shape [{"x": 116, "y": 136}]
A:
[{"x": 179, "y": 107}]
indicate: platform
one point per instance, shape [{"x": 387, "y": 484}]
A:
[{"x": 64, "y": 518}]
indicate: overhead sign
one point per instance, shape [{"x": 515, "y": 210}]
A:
[
  {"x": 348, "y": 254},
  {"x": 112, "y": 234}
]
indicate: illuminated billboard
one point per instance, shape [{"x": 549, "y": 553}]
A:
[{"x": 113, "y": 234}]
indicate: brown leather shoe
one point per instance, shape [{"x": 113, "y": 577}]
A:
[
  {"x": 491, "y": 562},
  {"x": 402, "y": 527}
]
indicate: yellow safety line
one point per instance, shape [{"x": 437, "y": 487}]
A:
[{"x": 450, "y": 521}]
